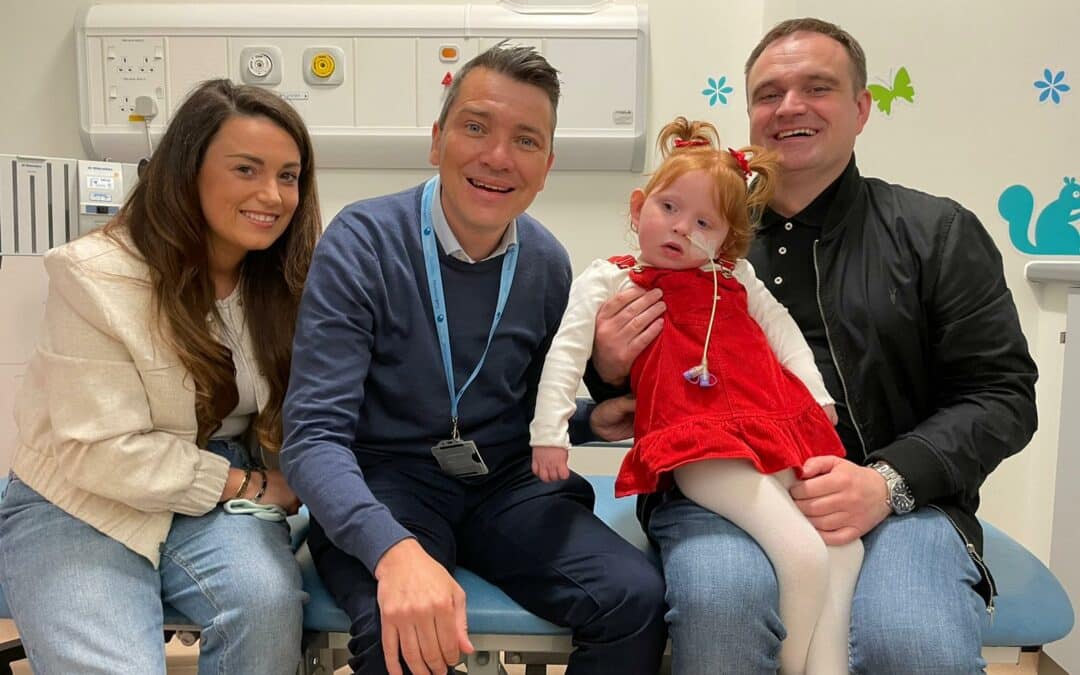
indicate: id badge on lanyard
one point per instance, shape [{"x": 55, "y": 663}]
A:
[
  {"x": 459, "y": 458},
  {"x": 456, "y": 456}
]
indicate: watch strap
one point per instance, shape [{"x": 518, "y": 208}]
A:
[{"x": 900, "y": 498}]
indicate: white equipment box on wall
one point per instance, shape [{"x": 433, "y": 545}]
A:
[
  {"x": 368, "y": 79},
  {"x": 48, "y": 201}
]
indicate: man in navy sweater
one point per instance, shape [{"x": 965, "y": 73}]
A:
[{"x": 422, "y": 333}]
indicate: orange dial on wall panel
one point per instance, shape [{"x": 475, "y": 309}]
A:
[{"x": 449, "y": 53}]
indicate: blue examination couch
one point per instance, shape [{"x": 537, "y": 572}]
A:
[{"x": 1032, "y": 608}]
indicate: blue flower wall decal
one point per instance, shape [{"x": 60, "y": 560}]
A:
[
  {"x": 1052, "y": 86},
  {"x": 717, "y": 90}
]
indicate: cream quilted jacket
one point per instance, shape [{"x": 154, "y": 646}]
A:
[{"x": 106, "y": 412}]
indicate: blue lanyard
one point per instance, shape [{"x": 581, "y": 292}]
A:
[{"x": 438, "y": 300}]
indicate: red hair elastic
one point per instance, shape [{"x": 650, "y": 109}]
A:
[
  {"x": 740, "y": 157},
  {"x": 690, "y": 143}
]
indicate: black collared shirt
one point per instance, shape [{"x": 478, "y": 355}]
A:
[{"x": 783, "y": 258}]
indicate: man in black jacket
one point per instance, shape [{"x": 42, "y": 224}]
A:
[{"x": 902, "y": 297}]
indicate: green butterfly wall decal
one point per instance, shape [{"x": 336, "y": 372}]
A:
[{"x": 901, "y": 88}]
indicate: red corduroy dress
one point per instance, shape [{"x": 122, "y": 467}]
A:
[{"x": 757, "y": 410}]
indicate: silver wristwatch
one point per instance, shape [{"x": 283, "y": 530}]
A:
[{"x": 900, "y": 499}]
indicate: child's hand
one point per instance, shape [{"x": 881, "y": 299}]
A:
[
  {"x": 549, "y": 463},
  {"x": 830, "y": 412}
]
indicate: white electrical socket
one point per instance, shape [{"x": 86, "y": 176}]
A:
[
  {"x": 261, "y": 65},
  {"x": 134, "y": 67}
]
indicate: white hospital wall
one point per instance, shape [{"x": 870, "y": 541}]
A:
[
  {"x": 974, "y": 129},
  {"x": 977, "y": 127}
]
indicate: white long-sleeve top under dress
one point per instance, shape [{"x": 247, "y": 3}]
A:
[{"x": 572, "y": 345}]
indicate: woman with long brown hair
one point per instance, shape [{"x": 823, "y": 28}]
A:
[{"x": 150, "y": 413}]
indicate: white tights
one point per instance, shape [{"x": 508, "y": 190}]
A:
[{"x": 816, "y": 581}]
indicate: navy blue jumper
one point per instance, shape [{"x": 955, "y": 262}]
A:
[{"x": 367, "y": 399}]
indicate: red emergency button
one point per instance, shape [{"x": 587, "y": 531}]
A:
[{"x": 447, "y": 79}]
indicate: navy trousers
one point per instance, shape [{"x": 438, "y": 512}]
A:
[{"x": 539, "y": 542}]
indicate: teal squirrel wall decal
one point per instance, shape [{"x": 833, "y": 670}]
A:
[{"x": 1055, "y": 231}]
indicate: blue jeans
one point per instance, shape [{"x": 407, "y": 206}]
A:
[
  {"x": 85, "y": 603},
  {"x": 915, "y": 610}
]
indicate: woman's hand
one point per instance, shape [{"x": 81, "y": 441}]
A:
[{"x": 277, "y": 491}]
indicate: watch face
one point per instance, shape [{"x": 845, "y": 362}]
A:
[{"x": 901, "y": 503}]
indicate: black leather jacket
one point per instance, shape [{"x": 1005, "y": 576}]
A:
[{"x": 925, "y": 337}]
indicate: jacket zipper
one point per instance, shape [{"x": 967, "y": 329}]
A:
[
  {"x": 968, "y": 546},
  {"x": 832, "y": 354},
  {"x": 975, "y": 557}
]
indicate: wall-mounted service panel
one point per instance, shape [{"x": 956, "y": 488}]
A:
[
  {"x": 48, "y": 201},
  {"x": 368, "y": 79}
]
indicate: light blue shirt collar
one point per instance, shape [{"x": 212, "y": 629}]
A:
[{"x": 451, "y": 244}]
